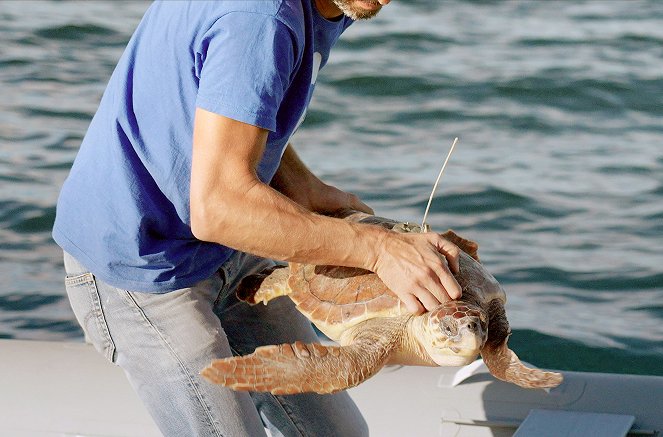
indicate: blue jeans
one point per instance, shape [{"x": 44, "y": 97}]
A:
[{"x": 163, "y": 341}]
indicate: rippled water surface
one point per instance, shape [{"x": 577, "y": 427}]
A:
[{"x": 558, "y": 174}]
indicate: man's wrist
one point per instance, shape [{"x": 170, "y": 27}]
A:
[{"x": 373, "y": 239}]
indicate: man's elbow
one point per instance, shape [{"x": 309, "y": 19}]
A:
[{"x": 202, "y": 222}]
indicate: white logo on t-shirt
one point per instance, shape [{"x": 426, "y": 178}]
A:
[{"x": 317, "y": 60}]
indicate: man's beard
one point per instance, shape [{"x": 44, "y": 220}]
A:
[{"x": 355, "y": 12}]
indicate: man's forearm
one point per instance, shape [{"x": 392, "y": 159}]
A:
[
  {"x": 231, "y": 206},
  {"x": 262, "y": 221},
  {"x": 297, "y": 182},
  {"x": 294, "y": 179}
]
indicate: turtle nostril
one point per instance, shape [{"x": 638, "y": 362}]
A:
[
  {"x": 472, "y": 326},
  {"x": 449, "y": 327}
]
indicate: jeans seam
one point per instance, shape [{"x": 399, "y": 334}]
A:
[
  {"x": 100, "y": 319},
  {"x": 88, "y": 281},
  {"x": 278, "y": 401},
  {"x": 224, "y": 281},
  {"x": 288, "y": 412},
  {"x": 76, "y": 280},
  {"x": 180, "y": 364}
]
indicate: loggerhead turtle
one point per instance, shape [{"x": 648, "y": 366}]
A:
[{"x": 373, "y": 328}]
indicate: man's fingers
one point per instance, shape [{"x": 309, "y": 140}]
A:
[
  {"x": 357, "y": 204},
  {"x": 450, "y": 289},
  {"x": 433, "y": 287},
  {"x": 451, "y": 286},
  {"x": 412, "y": 304},
  {"x": 451, "y": 252},
  {"x": 420, "y": 274},
  {"x": 443, "y": 285},
  {"x": 429, "y": 300}
]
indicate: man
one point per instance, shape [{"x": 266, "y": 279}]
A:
[{"x": 169, "y": 204}]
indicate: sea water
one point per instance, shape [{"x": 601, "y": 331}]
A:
[{"x": 558, "y": 174}]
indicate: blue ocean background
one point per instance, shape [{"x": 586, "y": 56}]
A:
[{"x": 558, "y": 173}]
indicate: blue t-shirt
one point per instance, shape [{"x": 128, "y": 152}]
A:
[{"x": 123, "y": 212}]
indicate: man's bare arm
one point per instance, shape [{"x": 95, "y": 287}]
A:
[
  {"x": 231, "y": 206},
  {"x": 297, "y": 182}
]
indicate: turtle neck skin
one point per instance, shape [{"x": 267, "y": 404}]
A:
[{"x": 410, "y": 350}]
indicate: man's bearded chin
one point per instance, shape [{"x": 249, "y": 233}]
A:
[{"x": 350, "y": 9}]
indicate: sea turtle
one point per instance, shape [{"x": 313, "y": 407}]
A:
[{"x": 373, "y": 328}]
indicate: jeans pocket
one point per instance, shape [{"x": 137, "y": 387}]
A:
[{"x": 86, "y": 303}]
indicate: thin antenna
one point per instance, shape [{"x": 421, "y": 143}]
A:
[{"x": 424, "y": 226}]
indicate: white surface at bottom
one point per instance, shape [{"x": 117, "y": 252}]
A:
[{"x": 67, "y": 389}]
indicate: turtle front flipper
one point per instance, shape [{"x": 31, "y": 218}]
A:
[
  {"x": 300, "y": 368},
  {"x": 294, "y": 368},
  {"x": 504, "y": 364},
  {"x": 264, "y": 286}
]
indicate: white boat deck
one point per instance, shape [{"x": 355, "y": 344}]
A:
[{"x": 45, "y": 391}]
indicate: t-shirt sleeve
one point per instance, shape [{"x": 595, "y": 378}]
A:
[{"x": 248, "y": 60}]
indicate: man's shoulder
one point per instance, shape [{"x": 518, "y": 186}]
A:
[
  {"x": 289, "y": 12},
  {"x": 281, "y": 9},
  {"x": 267, "y": 7}
]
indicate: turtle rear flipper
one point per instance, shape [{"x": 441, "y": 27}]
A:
[
  {"x": 504, "y": 364},
  {"x": 295, "y": 368},
  {"x": 264, "y": 286}
]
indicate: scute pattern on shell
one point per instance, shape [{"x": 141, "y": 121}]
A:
[
  {"x": 478, "y": 285},
  {"x": 345, "y": 296},
  {"x": 340, "y": 295}
]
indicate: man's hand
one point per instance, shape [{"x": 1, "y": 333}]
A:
[
  {"x": 417, "y": 268},
  {"x": 326, "y": 199}
]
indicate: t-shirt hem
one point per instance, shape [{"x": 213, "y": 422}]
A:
[
  {"x": 253, "y": 118},
  {"x": 153, "y": 287}
]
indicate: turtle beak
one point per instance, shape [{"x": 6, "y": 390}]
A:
[
  {"x": 455, "y": 332},
  {"x": 474, "y": 329},
  {"x": 471, "y": 336}
]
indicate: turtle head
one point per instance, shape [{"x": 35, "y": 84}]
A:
[{"x": 454, "y": 333}]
